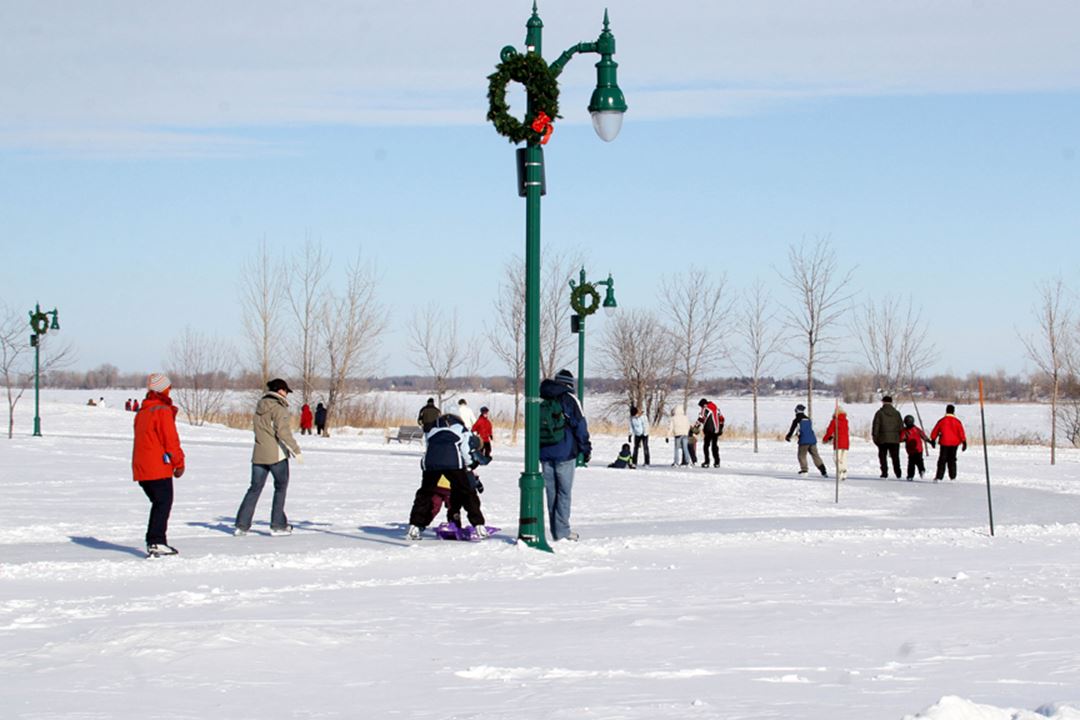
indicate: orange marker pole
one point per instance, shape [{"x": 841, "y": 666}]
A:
[{"x": 986, "y": 457}]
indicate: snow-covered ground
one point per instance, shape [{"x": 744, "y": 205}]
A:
[{"x": 743, "y": 592}]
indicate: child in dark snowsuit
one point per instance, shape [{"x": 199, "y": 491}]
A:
[
  {"x": 913, "y": 437},
  {"x": 625, "y": 459}
]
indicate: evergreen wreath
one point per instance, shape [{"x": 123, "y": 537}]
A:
[
  {"x": 39, "y": 323},
  {"x": 532, "y": 71},
  {"x": 577, "y": 299}
]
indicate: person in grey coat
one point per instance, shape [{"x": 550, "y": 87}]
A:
[
  {"x": 885, "y": 433},
  {"x": 274, "y": 443}
]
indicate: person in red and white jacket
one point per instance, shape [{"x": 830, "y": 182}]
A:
[
  {"x": 838, "y": 433},
  {"x": 711, "y": 421},
  {"x": 913, "y": 436},
  {"x": 156, "y": 459},
  {"x": 949, "y": 434}
]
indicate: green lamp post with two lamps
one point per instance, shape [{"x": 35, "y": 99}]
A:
[
  {"x": 39, "y": 323},
  {"x": 584, "y": 301},
  {"x": 606, "y": 106}
]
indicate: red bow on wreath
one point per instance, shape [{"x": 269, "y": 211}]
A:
[{"x": 542, "y": 124}]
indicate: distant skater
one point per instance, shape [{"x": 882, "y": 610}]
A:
[
  {"x": 886, "y": 435},
  {"x": 913, "y": 437},
  {"x": 807, "y": 441},
  {"x": 949, "y": 434},
  {"x": 838, "y": 434}
]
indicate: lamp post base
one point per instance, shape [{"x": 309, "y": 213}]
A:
[{"x": 531, "y": 520}]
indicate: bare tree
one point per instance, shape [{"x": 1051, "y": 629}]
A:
[
  {"x": 638, "y": 351},
  {"x": 761, "y": 340},
  {"x": 439, "y": 349},
  {"x": 893, "y": 339},
  {"x": 820, "y": 300},
  {"x": 262, "y": 291},
  {"x": 352, "y": 327},
  {"x": 507, "y": 336},
  {"x": 699, "y": 315},
  {"x": 199, "y": 367},
  {"x": 556, "y": 340},
  {"x": 305, "y": 295},
  {"x": 16, "y": 358},
  {"x": 1049, "y": 348}
]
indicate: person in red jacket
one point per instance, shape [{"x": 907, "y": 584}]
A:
[
  {"x": 949, "y": 434},
  {"x": 156, "y": 459},
  {"x": 482, "y": 428},
  {"x": 913, "y": 436},
  {"x": 838, "y": 433},
  {"x": 306, "y": 419}
]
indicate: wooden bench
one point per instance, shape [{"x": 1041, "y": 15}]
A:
[{"x": 405, "y": 433}]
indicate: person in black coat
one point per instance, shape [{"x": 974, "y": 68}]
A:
[{"x": 320, "y": 420}]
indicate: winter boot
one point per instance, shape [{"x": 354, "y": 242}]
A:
[
  {"x": 413, "y": 533},
  {"x": 287, "y": 530},
  {"x": 481, "y": 531},
  {"x": 824, "y": 472},
  {"x": 160, "y": 550}
]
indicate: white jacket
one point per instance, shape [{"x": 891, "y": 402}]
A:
[
  {"x": 680, "y": 424},
  {"x": 466, "y": 414}
]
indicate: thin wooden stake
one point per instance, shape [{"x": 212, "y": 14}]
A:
[{"x": 986, "y": 458}]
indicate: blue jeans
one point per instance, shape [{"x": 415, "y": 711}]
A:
[
  {"x": 280, "y": 471},
  {"x": 681, "y": 445},
  {"x": 559, "y": 482}
]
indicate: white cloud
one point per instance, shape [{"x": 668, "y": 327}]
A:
[{"x": 134, "y": 77}]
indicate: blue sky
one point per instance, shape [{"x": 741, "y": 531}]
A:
[{"x": 145, "y": 152}]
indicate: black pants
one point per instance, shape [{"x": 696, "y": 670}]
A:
[
  {"x": 946, "y": 459},
  {"x": 712, "y": 442},
  {"x": 915, "y": 462},
  {"x": 641, "y": 441},
  {"x": 459, "y": 500},
  {"x": 160, "y": 493},
  {"x": 885, "y": 451},
  {"x": 460, "y": 492},
  {"x": 692, "y": 447},
  {"x": 487, "y": 449}
]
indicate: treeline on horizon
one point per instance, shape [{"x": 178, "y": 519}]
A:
[{"x": 849, "y": 386}]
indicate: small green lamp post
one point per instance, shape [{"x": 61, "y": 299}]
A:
[
  {"x": 606, "y": 106},
  {"x": 585, "y": 300},
  {"x": 39, "y": 323}
]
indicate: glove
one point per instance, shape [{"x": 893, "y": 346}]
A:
[
  {"x": 479, "y": 487},
  {"x": 933, "y": 444},
  {"x": 964, "y": 446},
  {"x": 629, "y": 438},
  {"x": 299, "y": 457},
  {"x": 178, "y": 472},
  {"x": 787, "y": 438},
  {"x": 586, "y": 458},
  {"x": 667, "y": 440}
]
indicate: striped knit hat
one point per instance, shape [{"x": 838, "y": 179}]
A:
[{"x": 158, "y": 382}]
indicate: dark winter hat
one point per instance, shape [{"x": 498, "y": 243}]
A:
[
  {"x": 483, "y": 409},
  {"x": 431, "y": 401},
  {"x": 633, "y": 409},
  {"x": 565, "y": 377},
  {"x": 799, "y": 408},
  {"x": 908, "y": 420},
  {"x": 950, "y": 409},
  {"x": 277, "y": 385},
  {"x": 462, "y": 402},
  {"x": 702, "y": 402},
  {"x": 887, "y": 398}
]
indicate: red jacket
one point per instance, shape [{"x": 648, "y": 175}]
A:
[
  {"x": 306, "y": 418},
  {"x": 710, "y": 419},
  {"x": 482, "y": 428},
  {"x": 156, "y": 438},
  {"x": 950, "y": 430},
  {"x": 838, "y": 429},
  {"x": 913, "y": 437}
]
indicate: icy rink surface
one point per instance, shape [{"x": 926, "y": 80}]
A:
[{"x": 744, "y": 592}]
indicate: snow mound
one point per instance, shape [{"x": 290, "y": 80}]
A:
[{"x": 951, "y": 707}]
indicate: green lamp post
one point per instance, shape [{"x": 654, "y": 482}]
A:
[
  {"x": 39, "y": 323},
  {"x": 606, "y": 107},
  {"x": 584, "y": 301}
]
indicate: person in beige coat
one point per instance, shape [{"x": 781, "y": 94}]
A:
[
  {"x": 274, "y": 443},
  {"x": 679, "y": 430}
]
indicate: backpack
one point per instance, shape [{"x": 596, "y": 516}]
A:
[{"x": 552, "y": 421}]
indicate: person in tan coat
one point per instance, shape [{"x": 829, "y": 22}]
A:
[{"x": 274, "y": 443}]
